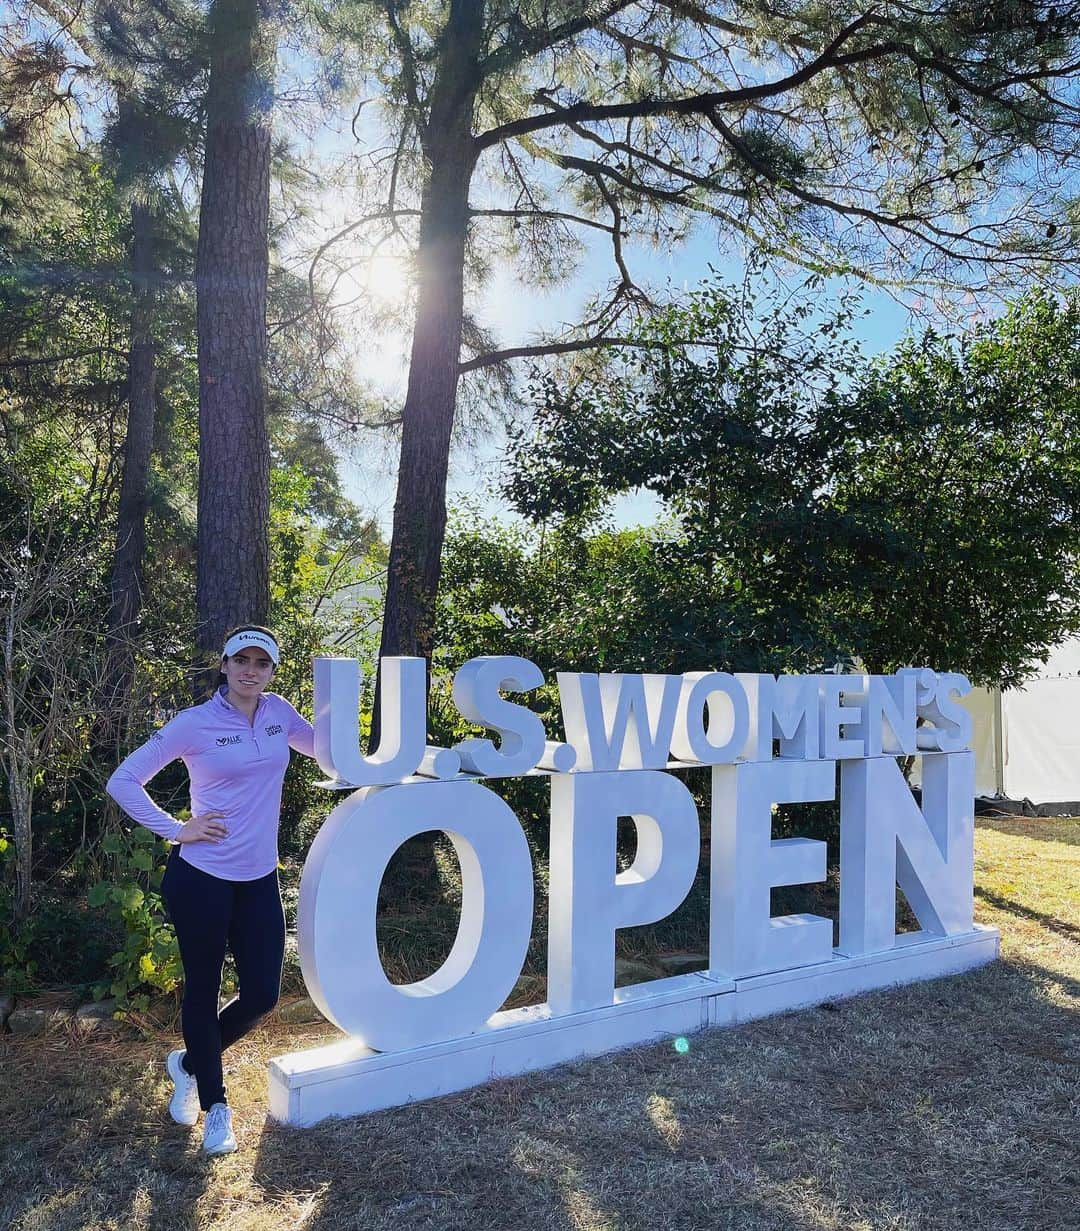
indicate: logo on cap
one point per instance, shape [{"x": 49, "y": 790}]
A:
[{"x": 241, "y": 641}]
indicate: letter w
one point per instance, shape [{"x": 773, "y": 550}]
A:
[{"x": 619, "y": 721}]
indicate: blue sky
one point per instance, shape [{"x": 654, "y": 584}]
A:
[{"x": 517, "y": 312}]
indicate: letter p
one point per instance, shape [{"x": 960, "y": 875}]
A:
[{"x": 588, "y": 901}]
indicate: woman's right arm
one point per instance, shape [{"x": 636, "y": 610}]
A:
[{"x": 128, "y": 782}]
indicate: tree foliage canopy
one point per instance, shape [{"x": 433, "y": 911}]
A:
[{"x": 920, "y": 508}]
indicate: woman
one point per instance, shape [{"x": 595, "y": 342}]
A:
[{"x": 220, "y": 883}]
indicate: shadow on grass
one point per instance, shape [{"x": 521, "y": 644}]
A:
[
  {"x": 936, "y": 1105},
  {"x": 1058, "y": 926},
  {"x": 933, "y": 1107},
  {"x": 1065, "y": 830}
]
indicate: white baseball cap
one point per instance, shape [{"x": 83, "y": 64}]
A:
[{"x": 248, "y": 638}]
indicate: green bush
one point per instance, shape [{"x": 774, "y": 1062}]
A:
[{"x": 148, "y": 956}]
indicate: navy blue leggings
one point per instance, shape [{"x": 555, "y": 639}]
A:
[{"x": 209, "y": 914}]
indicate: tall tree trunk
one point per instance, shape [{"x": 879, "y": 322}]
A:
[
  {"x": 428, "y": 417},
  {"x": 126, "y": 581},
  {"x": 21, "y": 798},
  {"x": 233, "y": 542},
  {"x": 19, "y": 783}
]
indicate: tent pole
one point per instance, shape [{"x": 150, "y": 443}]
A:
[{"x": 999, "y": 744}]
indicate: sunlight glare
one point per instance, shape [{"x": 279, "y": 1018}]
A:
[{"x": 386, "y": 279}]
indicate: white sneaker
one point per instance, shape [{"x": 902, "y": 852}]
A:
[
  {"x": 218, "y": 1137},
  {"x": 184, "y": 1104}
]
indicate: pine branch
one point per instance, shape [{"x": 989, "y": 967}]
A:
[
  {"x": 553, "y": 214},
  {"x": 7, "y": 365},
  {"x": 696, "y": 104},
  {"x": 542, "y": 349},
  {"x": 529, "y": 42}
]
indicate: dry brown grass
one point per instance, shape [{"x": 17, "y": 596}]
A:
[{"x": 950, "y": 1104}]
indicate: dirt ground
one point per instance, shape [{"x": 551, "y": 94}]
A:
[{"x": 952, "y": 1104}]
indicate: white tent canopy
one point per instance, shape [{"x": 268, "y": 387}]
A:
[{"x": 1027, "y": 740}]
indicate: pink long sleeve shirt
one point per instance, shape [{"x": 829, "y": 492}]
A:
[{"x": 236, "y": 766}]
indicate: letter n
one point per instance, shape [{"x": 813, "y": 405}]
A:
[{"x": 886, "y": 840}]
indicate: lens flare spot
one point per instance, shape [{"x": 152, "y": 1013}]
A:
[{"x": 682, "y": 1045}]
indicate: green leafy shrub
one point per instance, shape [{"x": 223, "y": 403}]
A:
[{"x": 148, "y": 958}]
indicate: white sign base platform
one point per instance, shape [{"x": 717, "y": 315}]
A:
[{"x": 346, "y": 1078}]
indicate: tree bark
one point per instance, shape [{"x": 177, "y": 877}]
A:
[
  {"x": 20, "y": 795},
  {"x": 233, "y": 543},
  {"x": 19, "y": 787},
  {"x": 430, "y": 401},
  {"x": 126, "y": 581}
]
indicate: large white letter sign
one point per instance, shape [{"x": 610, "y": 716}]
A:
[
  {"x": 747, "y": 864},
  {"x": 477, "y": 686},
  {"x": 836, "y": 717},
  {"x": 886, "y": 840},
  {"x": 625, "y": 734},
  {"x": 953, "y": 725},
  {"x": 587, "y": 900},
  {"x": 403, "y": 725},
  {"x": 339, "y": 953},
  {"x": 619, "y": 721}
]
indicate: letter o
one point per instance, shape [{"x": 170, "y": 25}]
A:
[
  {"x": 690, "y": 739},
  {"x": 339, "y": 952}
]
